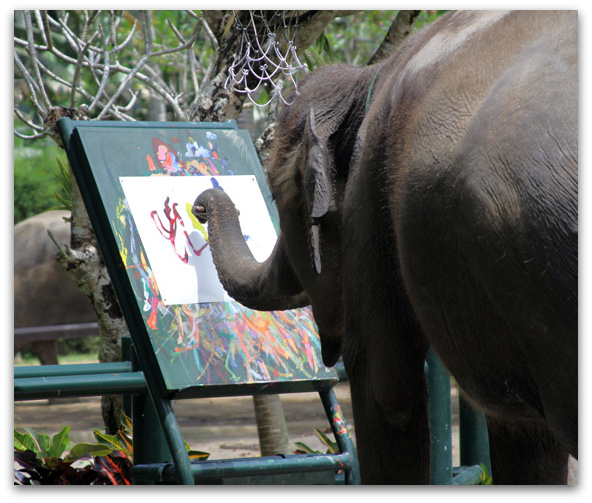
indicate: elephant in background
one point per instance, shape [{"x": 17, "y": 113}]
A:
[
  {"x": 44, "y": 294},
  {"x": 431, "y": 199}
]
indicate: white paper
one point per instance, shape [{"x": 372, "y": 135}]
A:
[{"x": 178, "y": 252}]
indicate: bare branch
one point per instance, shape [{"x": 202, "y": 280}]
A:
[
  {"x": 46, "y": 30},
  {"x": 40, "y": 24},
  {"x": 26, "y": 121},
  {"x": 215, "y": 45},
  {"x": 78, "y": 69},
  {"x": 104, "y": 81},
  {"x": 63, "y": 82},
  {"x": 31, "y": 84},
  {"x": 34, "y": 61},
  {"x": 29, "y": 137},
  {"x": 184, "y": 45},
  {"x": 127, "y": 40},
  {"x": 175, "y": 31}
]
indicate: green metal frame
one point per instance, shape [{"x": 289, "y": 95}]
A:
[
  {"x": 474, "y": 443},
  {"x": 155, "y": 438}
]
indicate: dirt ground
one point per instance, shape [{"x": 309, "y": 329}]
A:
[{"x": 224, "y": 427}]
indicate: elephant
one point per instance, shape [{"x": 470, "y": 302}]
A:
[
  {"x": 44, "y": 294},
  {"x": 430, "y": 200}
]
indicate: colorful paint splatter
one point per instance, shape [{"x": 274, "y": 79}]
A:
[{"x": 212, "y": 343}]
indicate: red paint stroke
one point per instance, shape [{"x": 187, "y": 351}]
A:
[
  {"x": 150, "y": 163},
  {"x": 169, "y": 229}
]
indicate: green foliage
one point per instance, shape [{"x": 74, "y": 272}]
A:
[
  {"x": 64, "y": 195},
  {"x": 36, "y": 178},
  {"x": 325, "y": 440},
  {"x": 354, "y": 39},
  {"x": 121, "y": 441},
  {"x": 487, "y": 479},
  {"x": 427, "y": 16},
  {"x": 79, "y": 345},
  {"x": 40, "y": 460},
  {"x": 320, "y": 53}
]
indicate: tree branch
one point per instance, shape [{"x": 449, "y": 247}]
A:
[{"x": 401, "y": 27}]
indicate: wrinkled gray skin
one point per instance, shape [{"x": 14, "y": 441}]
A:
[
  {"x": 445, "y": 214},
  {"x": 44, "y": 294}
]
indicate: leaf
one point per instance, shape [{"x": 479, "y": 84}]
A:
[
  {"x": 198, "y": 455},
  {"x": 127, "y": 424},
  {"x": 126, "y": 444},
  {"x": 51, "y": 462},
  {"x": 307, "y": 61},
  {"x": 60, "y": 442},
  {"x": 318, "y": 60},
  {"x": 110, "y": 441},
  {"x": 65, "y": 183},
  {"x": 305, "y": 449},
  {"x": 119, "y": 442},
  {"x": 115, "y": 468},
  {"x": 326, "y": 47},
  {"x": 83, "y": 450},
  {"x": 487, "y": 479},
  {"x": 331, "y": 445},
  {"x": 24, "y": 441},
  {"x": 30, "y": 470},
  {"x": 42, "y": 441},
  {"x": 228, "y": 25}
]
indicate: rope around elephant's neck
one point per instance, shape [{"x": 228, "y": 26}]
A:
[{"x": 369, "y": 97}]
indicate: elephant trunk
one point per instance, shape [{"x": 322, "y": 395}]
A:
[{"x": 264, "y": 286}]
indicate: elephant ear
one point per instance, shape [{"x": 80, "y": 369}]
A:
[
  {"x": 317, "y": 178},
  {"x": 317, "y": 184}
]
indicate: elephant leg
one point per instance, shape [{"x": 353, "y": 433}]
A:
[
  {"x": 46, "y": 352},
  {"x": 391, "y": 430},
  {"x": 525, "y": 452},
  {"x": 384, "y": 354}
]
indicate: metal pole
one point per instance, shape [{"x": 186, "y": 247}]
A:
[
  {"x": 440, "y": 417},
  {"x": 126, "y": 357},
  {"x": 474, "y": 440},
  {"x": 150, "y": 419},
  {"x": 342, "y": 435}
]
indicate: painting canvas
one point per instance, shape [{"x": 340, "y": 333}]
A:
[{"x": 176, "y": 243}]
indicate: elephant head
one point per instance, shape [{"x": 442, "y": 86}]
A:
[{"x": 307, "y": 172}]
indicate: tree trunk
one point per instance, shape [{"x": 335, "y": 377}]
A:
[
  {"x": 271, "y": 425},
  {"x": 83, "y": 261},
  {"x": 92, "y": 277},
  {"x": 401, "y": 27}
]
